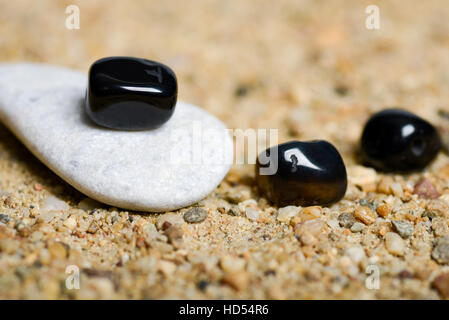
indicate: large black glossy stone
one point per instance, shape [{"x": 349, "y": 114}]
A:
[
  {"x": 397, "y": 140},
  {"x": 308, "y": 173},
  {"x": 128, "y": 93}
]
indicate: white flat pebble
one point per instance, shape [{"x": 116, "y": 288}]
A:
[
  {"x": 163, "y": 169},
  {"x": 285, "y": 214},
  {"x": 252, "y": 214},
  {"x": 394, "y": 244}
]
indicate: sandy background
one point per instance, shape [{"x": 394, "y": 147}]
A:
[{"x": 308, "y": 68}]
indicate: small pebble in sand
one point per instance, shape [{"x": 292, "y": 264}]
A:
[
  {"x": 252, "y": 214},
  {"x": 356, "y": 253},
  {"x": 383, "y": 210},
  {"x": 357, "y": 227},
  {"x": 166, "y": 267},
  {"x": 195, "y": 215},
  {"x": 288, "y": 212},
  {"x": 425, "y": 189},
  {"x": 368, "y": 203},
  {"x": 441, "y": 284},
  {"x": 4, "y": 218},
  {"x": 173, "y": 219},
  {"x": 232, "y": 264},
  {"x": 365, "y": 214},
  {"x": 404, "y": 229},
  {"x": 346, "y": 220},
  {"x": 236, "y": 280},
  {"x": 70, "y": 223},
  {"x": 312, "y": 227},
  {"x": 396, "y": 188},
  {"x": 441, "y": 251},
  {"x": 174, "y": 235},
  {"x": 38, "y": 187},
  {"x": 310, "y": 213},
  {"x": 57, "y": 250},
  {"x": 394, "y": 244},
  {"x": 8, "y": 245}
]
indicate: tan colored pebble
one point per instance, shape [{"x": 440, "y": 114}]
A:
[
  {"x": 57, "y": 250},
  {"x": 310, "y": 213},
  {"x": 384, "y": 185},
  {"x": 174, "y": 235},
  {"x": 295, "y": 220},
  {"x": 315, "y": 227},
  {"x": 8, "y": 245},
  {"x": 394, "y": 244},
  {"x": 308, "y": 239},
  {"x": 438, "y": 207},
  {"x": 174, "y": 219},
  {"x": 38, "y": 187},
  {"x": 166, "y": 267},
  {"x": 70, "y": 223},
  {"x": 308, "y": 251},
  {"x": 441, "y": 251},
  {"x": 397, "y": 190},
  {"x": 383, "y": 229},
  {"x": 237, "y": 280},
  {"x": 287, "y": 213},
  {"x": 252, "y": 214},
  {"x": 275, "y": 292},
  {"x": 444, "y": 197},
  {"x": 356, "y": 253},
  {"x": 36, "y": 236},
  {"x": 365, "y": 215},
  {"x": 44, "y": 257},
  {"x": 93, "y": 228},
  {"x": 441, "y": 284},
  {"x": 383, "y": 210},
  {"x": 231, "y": 264}
]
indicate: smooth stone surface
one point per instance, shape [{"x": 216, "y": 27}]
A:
[
  {"x": 129, "y": 93},
  {"x": 308, "y": 173},
  {"x": 398, "y": 140},
  {"x": 155, "y": 170}
]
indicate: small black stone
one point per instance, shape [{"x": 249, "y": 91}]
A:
[
  {"x": 308, "y": 173},
  {"x": 341, "y": 90},
  {"x": 202, "y": 285},
  {"x": 398, "y": 140},
  {"x": 270, "y": 272},
  {"x": 241, "y": 91},
  {"x": 128, "y": 93}
]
